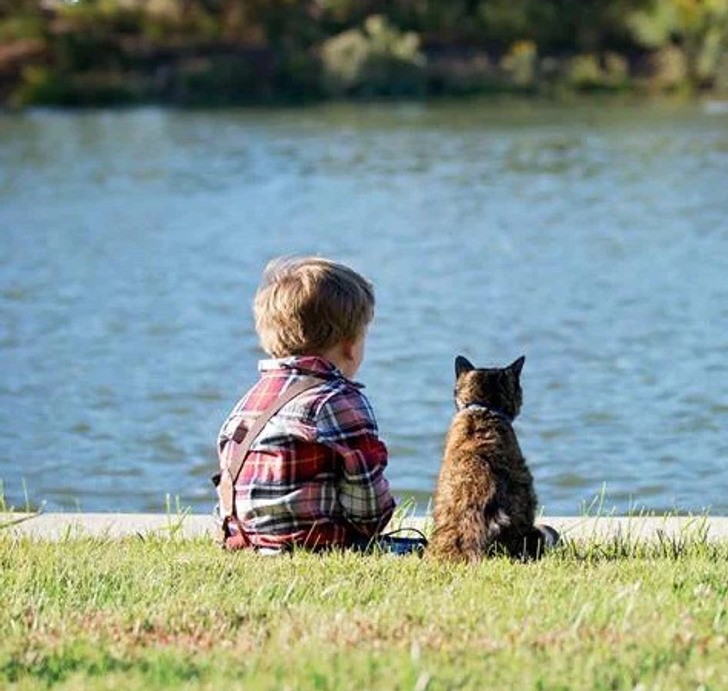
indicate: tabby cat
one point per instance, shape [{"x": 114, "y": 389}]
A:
[{"x": 485, "y": 502}]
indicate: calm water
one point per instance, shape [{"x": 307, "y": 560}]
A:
[{"x": 591, "y": 238}]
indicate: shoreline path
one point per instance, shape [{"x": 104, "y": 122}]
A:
[{"x": 60, "y": 526}]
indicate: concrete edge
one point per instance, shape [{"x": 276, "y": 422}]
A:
[{"x": 60, "y": 526}]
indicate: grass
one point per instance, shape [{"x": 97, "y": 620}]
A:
[{"x": 149, "y": 613}]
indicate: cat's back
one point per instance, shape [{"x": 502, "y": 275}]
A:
[
  {"x": 465, "y": 486},
  {"x": 481, "y": 460},
  {"x": 479, "y": 437}
]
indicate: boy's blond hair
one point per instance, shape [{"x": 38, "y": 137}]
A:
[{"x": 307, "y": 305}]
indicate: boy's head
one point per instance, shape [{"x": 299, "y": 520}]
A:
[{"x": 309, "y": 305}]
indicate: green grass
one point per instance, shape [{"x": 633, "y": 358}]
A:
[{"x": 163, "y": 613}]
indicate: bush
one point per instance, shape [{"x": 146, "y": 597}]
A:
[
  {"x": 594, "y": 73},
  {"x": 45, "y": 86},
  {"x": 698, "y": 27},
  {"x": 520, "y": 64},
  {"x": 21, "y": 27},
  {"x": 375, "y": 60}
]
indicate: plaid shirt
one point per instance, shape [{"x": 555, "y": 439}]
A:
[{"x": 315, "y": 474}]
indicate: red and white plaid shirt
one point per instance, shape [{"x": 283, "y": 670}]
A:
[{"x": 315, "y": 474}]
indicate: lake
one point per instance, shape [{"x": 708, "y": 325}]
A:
[{"x": 591, "y": 237}]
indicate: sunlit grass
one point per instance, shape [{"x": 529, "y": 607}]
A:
[
  {"x": 158, "y": 613},
  {"x": 6, "y": 507}
]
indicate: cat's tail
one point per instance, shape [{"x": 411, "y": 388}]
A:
[
  {"x": 534, "y": 544},
  {"x": 550, "y": 536}
]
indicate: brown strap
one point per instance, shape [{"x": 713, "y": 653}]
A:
[{"x": 229, "y": 475}]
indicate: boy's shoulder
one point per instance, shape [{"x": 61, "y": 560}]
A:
[
  {"x": 332, "y": 410},
  {"x": 333, "y": 392},
  {"x": 339, "y": 398}
]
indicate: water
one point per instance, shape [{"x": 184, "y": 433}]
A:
[{"x": 592, "y": 238}]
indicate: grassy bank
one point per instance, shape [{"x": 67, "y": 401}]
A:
[{"x": 153, "y": 613}]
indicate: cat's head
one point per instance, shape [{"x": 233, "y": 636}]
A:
[{"x": 495, "y": 388}]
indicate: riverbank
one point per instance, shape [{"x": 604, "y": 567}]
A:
[
  {"x": 631, "y": 529},
  {"x": 149, "y": 612},
  {"x": 196, "y": 53}
]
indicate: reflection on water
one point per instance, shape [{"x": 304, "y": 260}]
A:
[{"x": 592, "y": 238}]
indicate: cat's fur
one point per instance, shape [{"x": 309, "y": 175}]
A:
[{"x": 485, "y": 502}]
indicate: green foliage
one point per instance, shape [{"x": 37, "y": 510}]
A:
[
  {"x": 591, "y": 73},
  {"x": 45, "y": 86},
  {"x": 699, "y": 27},
  {"x": 521, "y": 63},
  {"x": 21, "y": 27},
  {"x": 235, "y": 51},
  {"x": 40, "y": 86},
  {"x": 233, "y": 79},
  {"x": 374, "y": 60},
  {"x": 517, "y": 20}
]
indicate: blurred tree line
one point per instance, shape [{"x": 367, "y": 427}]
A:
[{"x": 217, "y": 52}]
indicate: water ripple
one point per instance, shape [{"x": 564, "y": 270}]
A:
[{"x": 591, "y": 239}]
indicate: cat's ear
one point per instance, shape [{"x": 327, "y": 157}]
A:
[
  {"x": 462, "y": 365},
  {"x": 517, "y": 365}
]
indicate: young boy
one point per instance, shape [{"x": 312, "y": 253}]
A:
[{"x": 314, "y": 476}]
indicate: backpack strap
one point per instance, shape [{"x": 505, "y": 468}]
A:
[{"x": 226, "y": 480}]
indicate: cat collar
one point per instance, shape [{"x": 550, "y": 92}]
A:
[{"x": 492, "y": 411}]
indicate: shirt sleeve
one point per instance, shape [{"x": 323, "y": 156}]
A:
[{"x": 346, "y": 424}]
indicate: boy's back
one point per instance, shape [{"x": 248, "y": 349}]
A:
[{"x": 314, "y": 475}]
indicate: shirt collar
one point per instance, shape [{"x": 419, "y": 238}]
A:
[{"x": 305, "y": 364}]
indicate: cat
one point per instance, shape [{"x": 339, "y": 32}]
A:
[{"x": 485, "y": 502}]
